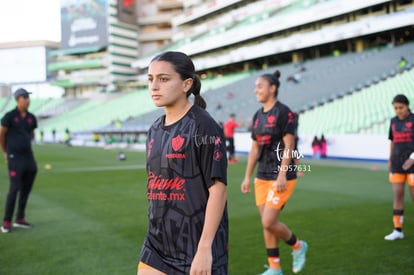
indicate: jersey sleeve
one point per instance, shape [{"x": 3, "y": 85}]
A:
[
  {"x": 390, "y": 136},
  {"x": 253, "y": 135},
  {"x": 34, "y": 122},
  {"x": 212, "y": 153},
  {"x": 6, "y": 120},
  {"x": 289, "y": 122}
]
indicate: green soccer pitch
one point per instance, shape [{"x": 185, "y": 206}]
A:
[{"x": 89, "y": 212}]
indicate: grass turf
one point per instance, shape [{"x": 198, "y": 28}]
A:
[{"x": 89, "y": 213}]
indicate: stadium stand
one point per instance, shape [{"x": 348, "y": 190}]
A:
[
  {"x": 323, "y": 80},
  {"x": 366, "y": 111}
]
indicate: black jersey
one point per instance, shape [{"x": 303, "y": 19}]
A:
[
  {"x": 183, "y": 160},
  {"x": 19, "y": 132},
  {"x": 401, "y": 133},
  {"x": 269, "y": 128}
]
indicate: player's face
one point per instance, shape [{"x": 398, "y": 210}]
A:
[
  {"x": 401, "y": 110},
  {"x": 23, "y": 102},
  {"x": 263, "y": 90},
  {"x": 165, "y": 84}
]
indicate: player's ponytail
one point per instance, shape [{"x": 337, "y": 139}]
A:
[
  {"x": 195, "y": 90},
  {"x": 184, "y": 66}
]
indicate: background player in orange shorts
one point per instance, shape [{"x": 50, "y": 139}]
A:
[
  {"x": 401, "y": 160},
  {"x": 273, "y": 134}
]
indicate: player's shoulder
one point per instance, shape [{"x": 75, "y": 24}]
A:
[
  {"x": 203, "y": 118},
  {"x": 10, "y": 113},
  {"x": 282, "y": 107},
  {"x": 31, "y": 114},
  {"x": 157, "y": 123},
  {"x": 201, "y": 114}
]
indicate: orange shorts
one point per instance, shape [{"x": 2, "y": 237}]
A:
[
  {"x": 266, "y": 196},
  {"x": 401, "y": 178},
  {"x": 142, "y": 265}
]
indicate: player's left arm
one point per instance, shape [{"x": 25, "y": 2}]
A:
[
  {"x": 216, "y": 203},
  {"x": 32, "y": 134},
  {"x": 34, "y": 126},
  {"x": 289, "y": 131},
  {"x": 289, "y": 142}
]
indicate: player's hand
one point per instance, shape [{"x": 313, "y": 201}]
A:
[
  {"x": 202, "y": 262},
  {"x": 280, "y": 184},
  {"x": 245, "y": 186},
  {"x": 407, "y": 164}
]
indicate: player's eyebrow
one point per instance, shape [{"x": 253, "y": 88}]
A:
[{"x": 161, "y": 74}]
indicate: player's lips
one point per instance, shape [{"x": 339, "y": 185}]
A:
[{"x": 155, "y": 97}]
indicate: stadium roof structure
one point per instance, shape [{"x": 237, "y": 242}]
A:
[
  {"x": 253, "y": 33},
  {"x": 31, "y": 43}
]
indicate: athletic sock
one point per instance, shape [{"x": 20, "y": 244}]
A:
[
  {"x": 398, "y": 219},
  {"x": 273, "y": 257},
  {"x": 294, "y": 242}
]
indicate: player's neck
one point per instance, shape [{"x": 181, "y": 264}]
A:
[
  {"x": 176, "y": 112},
  {"x": 269, "y": 104},
  {"x": 22, "y": 110}
]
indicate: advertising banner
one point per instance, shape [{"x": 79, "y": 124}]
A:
[{"x": 84, "y": 23}]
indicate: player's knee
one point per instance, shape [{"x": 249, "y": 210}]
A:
[{"x": 268, "y": 222}]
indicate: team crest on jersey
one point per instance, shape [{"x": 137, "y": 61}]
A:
[
  {"x": 177, "y": 142},
  {"x": 408, "y": 124},
  {"x": 30, "y": 120},
  {"x": 270, "y": 121}
]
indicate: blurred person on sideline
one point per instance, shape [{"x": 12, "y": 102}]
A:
[
  {"x": 316, "y": 148},
  {"x": 67, "y": 137},
  {"x": 16, "y": 135},
  {"x": 187, "y": 177},
  {"x": 54, "y": 135},
  {"x": 323, "y": 143},
  {"x": 402, "y": 63},
  {"x": 229, "y": 128},
  {"x": 401, "y": 160},
  {"x": 273, "y": 134}
]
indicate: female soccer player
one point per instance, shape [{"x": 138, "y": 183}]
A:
[
  {"x": 401, "y": 160},
  {"x": 186, "y": 166},
  {"x": 273, "y": 134}
]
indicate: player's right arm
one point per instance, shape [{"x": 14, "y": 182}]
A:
[
  {"x": 391, "y": 150},
  {"x": 251, "y": 164},
  {"x": 3, "y": 132}
]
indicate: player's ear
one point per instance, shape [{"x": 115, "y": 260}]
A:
[{"x": 187, "y": 84}]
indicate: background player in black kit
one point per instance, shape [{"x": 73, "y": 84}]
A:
[
  {"x": 401, "y": 135},
  {"x": 273, "y": 132},
  {"x": 16, "y": 133},
  {"x": 186, "y": 166}
]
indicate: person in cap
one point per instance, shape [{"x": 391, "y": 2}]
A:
[{"x": 16, "y": 134}]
